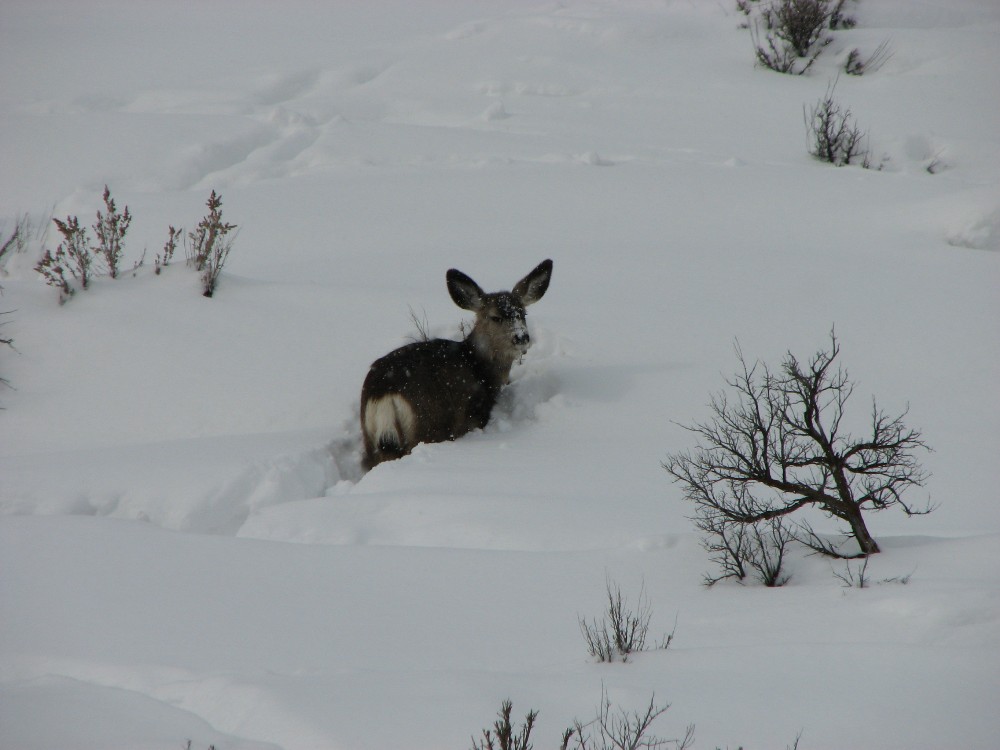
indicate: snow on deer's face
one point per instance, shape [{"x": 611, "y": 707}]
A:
[{"x": 501, "y": 326}]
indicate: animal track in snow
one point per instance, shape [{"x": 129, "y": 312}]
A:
[
  {"x": 466, "y": 30},
  {"x": 284, "y": 88},
  {"x": 524, "y": 88}
]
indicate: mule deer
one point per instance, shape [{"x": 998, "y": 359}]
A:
[{"x": 437, "y": 390}]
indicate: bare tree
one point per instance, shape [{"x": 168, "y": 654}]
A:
[{"x": 782, "y": 446}]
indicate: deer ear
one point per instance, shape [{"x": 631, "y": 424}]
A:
[
  {"x": 464, "y": 291},
  {"x": 531, "y": 288}
]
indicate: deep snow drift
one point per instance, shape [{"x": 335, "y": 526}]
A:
[{"x": 189, "y": 549}]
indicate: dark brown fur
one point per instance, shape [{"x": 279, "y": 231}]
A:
[{"x": 438, "y": 390}]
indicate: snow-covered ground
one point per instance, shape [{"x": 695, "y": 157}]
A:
[{"x": 189, "y": 550}]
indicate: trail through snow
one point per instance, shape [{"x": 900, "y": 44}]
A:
[{"x": 189, "y": 549}]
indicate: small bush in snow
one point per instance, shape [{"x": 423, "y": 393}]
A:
[
  {"x": 833, "y": 135},
  {"x": 503, "y": 736},
  {"x": 839, "y": 19},
  {"x": 17, "y": 240},
  {"x": 54, "y": 268},
  {"x": 75, "y": 248},
  {"x": 623, "y": 631},
  {"x": 800, "y": 24},
  {"x": 741, "y": 550},
  {"x": 170, "y": 246},
  {"x": 857, "y": 64},
  {"x": 788, "y": 35},
  {"x": 27, "y": 234},
  {"x": 622, "y": 730},
  {"x": 76, "y": 261},
  {"x": 8, "y": 342},
  {"x": 72, "y": 258},
  {"x": 779, "y": 57},
  {"x": 781, "y": 445},
  {"x": 210, "y": 243},
  {"x": 110, "y": 230},
  {"x": 423, "y": 328},
  {"x": 611, "y": 729},
  {"x": 854, "y": 577},
  {"x": 11, "y": 243}
]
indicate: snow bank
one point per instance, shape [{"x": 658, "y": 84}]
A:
[{"x": 188, "y": 547}]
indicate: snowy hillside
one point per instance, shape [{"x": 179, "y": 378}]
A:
[{"x": 189, "y": 548}]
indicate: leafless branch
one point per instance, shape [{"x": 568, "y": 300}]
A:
[{"x": 777, "y": 442}]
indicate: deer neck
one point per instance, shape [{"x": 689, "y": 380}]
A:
[{"x": 496, "y": 365}]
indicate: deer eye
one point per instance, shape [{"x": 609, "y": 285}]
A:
[{"x": 496, "y": 319}]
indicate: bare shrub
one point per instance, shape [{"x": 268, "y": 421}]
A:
[
  {"x": 778, "y": 57},
  {"x": 75, "y": 247},
  {"x": 17, "y": 240},
  {"x": 72, "y": 258},
  {"x": 110, "y": 230},
  {"x": 5, "y": 341},
  {"x": 935, "y": 164},
  {"x": 72, "y": 263},
  {"x": 623, "y": 630},
  {"x": 800, "y": 23},
  {"x": 503, "y": 736},
  {"x": 209, "y": 244},
  {"x": 854, "y": 577},
  {"x": 741, "y": 550},
  {"x": 164, "y": 257},
  {"x": 769, "y": 542},
  {"x": 75, "y": 256},
  {"x": 833, "y": 135},
  {"x": 11, "y": 242},
  {"x": 840, "y": 20},
  {"x": 620, "y": 729},
  {"x": 423, "y": 327},
  {"x": 54, "y": 269},
  {"x": 781, "y": 446},
  {"x": 857, "y": 64},
  {"x": 789, "y": 35}
]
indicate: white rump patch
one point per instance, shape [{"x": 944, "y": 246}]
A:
[{"x": 390, "y": 419}]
